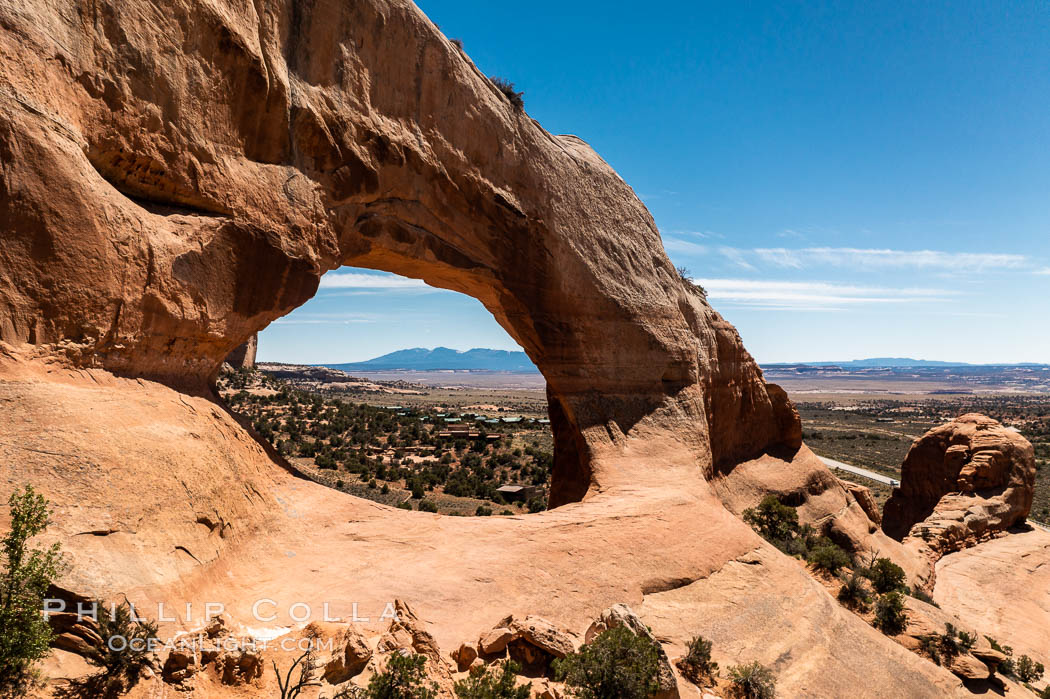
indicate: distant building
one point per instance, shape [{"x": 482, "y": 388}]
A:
[{"x": 512, "y": 493}]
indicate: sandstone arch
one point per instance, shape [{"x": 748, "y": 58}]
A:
[{"x": 209, "y": 207}]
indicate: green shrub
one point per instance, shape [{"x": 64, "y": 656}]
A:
[
  {"x": 854, "y": 592},
  {"x": 930, "y": 646},
  {"x": 537, "y": 505},
  {"x": 752, "y": 681},
  {"x": 406, "y": 505},
  {"x": 775, "y": 521},
  {"x": 1005, "y": 650},
  {"x": 617, "y": 663},
  {"x": 507, "y": 88},
  {"x": 486, "y": 683},
  {"x": 483, "y": 511},
  {"x": 697, "y": 665},
  {"x": 886, "y": 576},
  {"x": 427, "y": 506},
  {"x": 1027, "y": 670},
  {"x": 122, "y": 658},
  {"x": 890, "y": 617},
  {"x": 954, "y": 643},
  {"x": 829, "y": 557},
  {"x": 404, "y": 678},
  {"x": 27, "y": 573}
]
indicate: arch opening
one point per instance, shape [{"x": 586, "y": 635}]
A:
[{"x": 343, "y": 392}]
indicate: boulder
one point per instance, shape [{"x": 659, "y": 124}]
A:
[
  {"x": 350, "y": 657},
  {"x": 464, "y": 656},
  {"x": 541, "y": 633},
  {"x": 865, "y": 499},
  {"x": 961, "y": 483},
  {"x": 495, "y": 641},
  {"x": 240, "y": 667},
  {"x": 180, "y": 665},
  {"x": 968, "y": 667}
]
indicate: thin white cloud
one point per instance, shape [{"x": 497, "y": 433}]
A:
[
  {"x": 359, "y": 280},
  {"x": 701, "y": 234},
  {"x": 859, "y": 258},
  {"x": 812, "y": 296},
  {"x": 737, "y": 257},
  {"x": 300, "y": 318},
  {"x": 1044, "y": 271},
  {"x": 685, "y": 247}
]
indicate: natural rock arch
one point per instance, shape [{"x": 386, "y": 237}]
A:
[{"x": 211, "y": 166}]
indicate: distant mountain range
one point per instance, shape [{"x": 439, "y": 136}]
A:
[
  {"x": 444, "y": 359},
  {"x": 893, "y": 363},
  {"x": 479, "y": 359}
]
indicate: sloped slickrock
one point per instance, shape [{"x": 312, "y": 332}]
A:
[
  {"x": 1001, "y": 588},
  {"x": 961, "y": 483}
]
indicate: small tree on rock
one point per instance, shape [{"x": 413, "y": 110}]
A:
[
  {"x": 697, "y": 666},
  {"x": 617, "y": 663},
  {"x": 27, "y": 573},
  {"x": 487, "y": 683},
  {"x": 752, "y": 681},
  {"x": 890, "y": 617}
]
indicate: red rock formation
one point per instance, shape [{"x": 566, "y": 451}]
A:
[{"x": 962, "y": 482}]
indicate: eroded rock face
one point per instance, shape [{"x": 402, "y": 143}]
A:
[{"x": 960, "y": 483}]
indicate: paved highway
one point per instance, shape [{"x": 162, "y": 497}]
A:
[{"x": 831, "y": 463}]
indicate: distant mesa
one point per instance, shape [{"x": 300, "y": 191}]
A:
[
  {"x": 445, "y": 359},
  {"x": 890, "y": 363}
]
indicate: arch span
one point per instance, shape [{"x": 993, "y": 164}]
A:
[{"x": 210, "y": 207}]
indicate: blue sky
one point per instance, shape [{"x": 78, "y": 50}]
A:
[{"x": 847, "y": 179}]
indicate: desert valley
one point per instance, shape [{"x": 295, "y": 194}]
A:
[{"x": 632, "y": 507}]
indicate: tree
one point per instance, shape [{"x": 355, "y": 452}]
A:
[
  {"x": 288, "y": 689},
  {"x": 1028, "y": 670},
  {"x": 752, "y": 681},
  {"x": 954, "y": 643},
  {"x": 27, "y": 573},
  {"x": 829, "y": 557},
  {"x": 404, "y": 678},
  {"x": 483, "y": 683},
  {"x": 697, "y": 665},
  {"x": 890, "y": 617},
  {"x": 885, "y": 576},
  {"x": 775, "y": 521},
  {"x": 854, "y": 591},
  {"x": 617, "y": 663}
]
